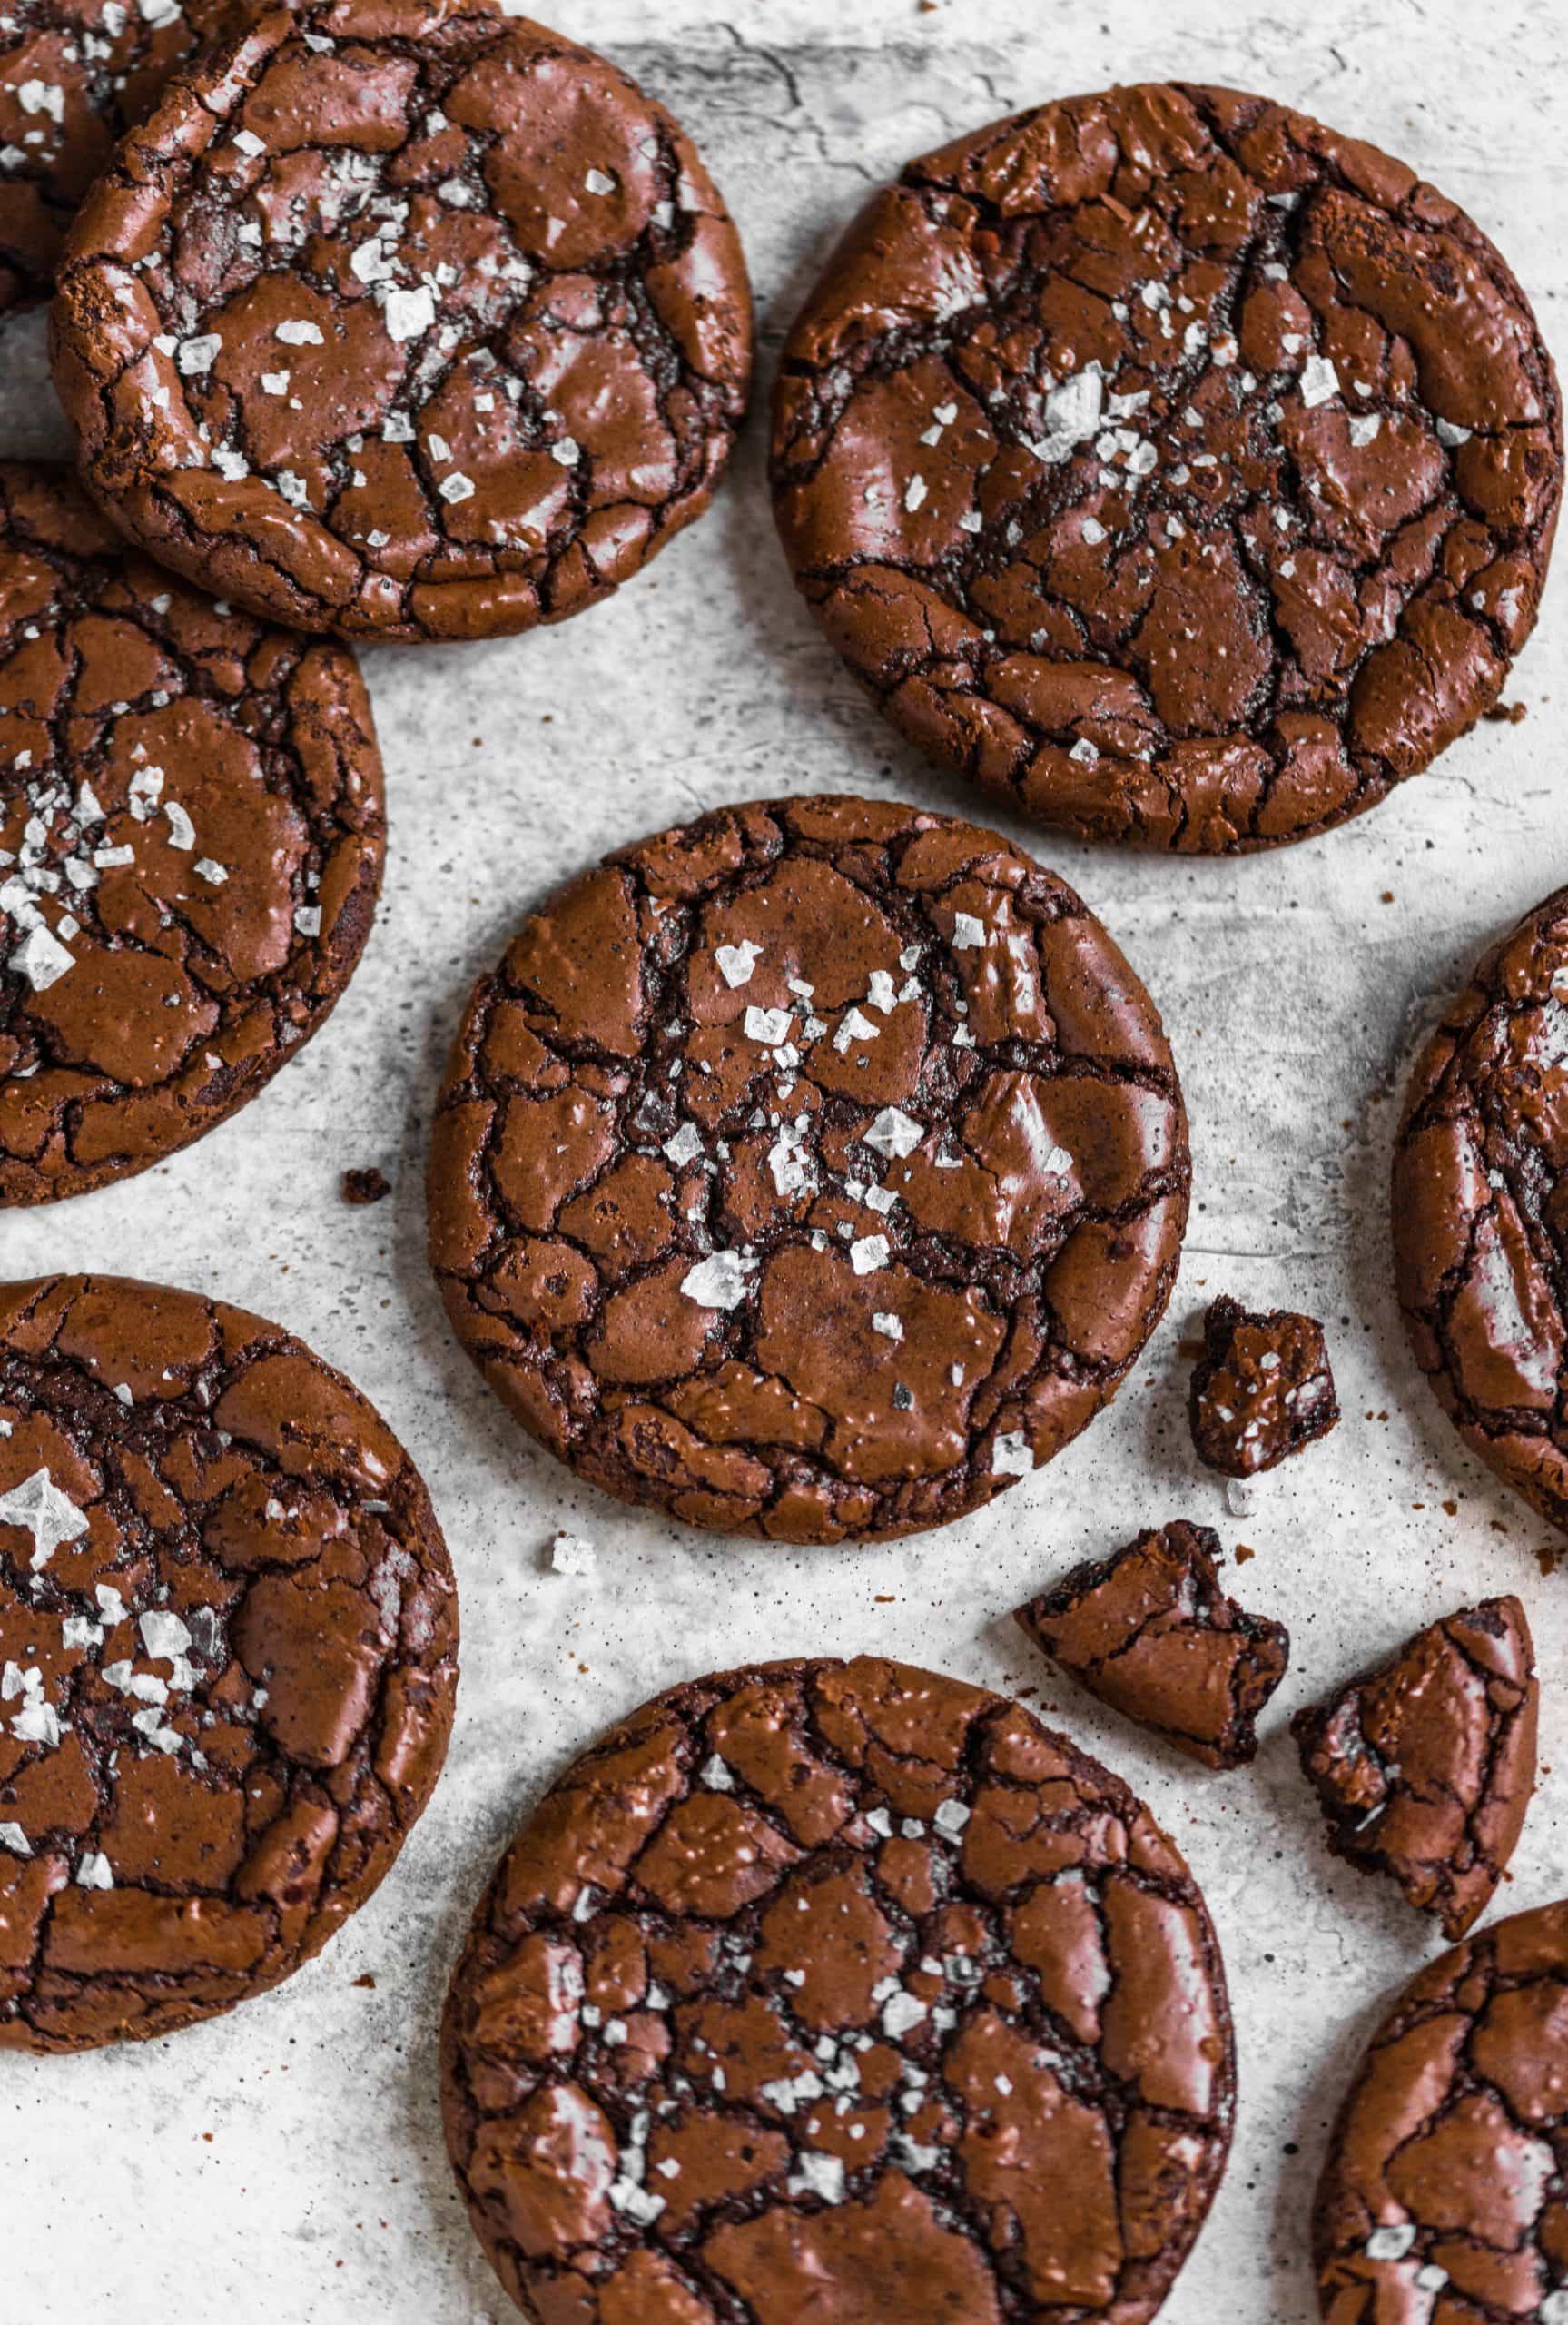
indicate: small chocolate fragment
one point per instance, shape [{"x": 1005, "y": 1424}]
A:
[
  {"x": 1425, "y": 1766},
  {"x": 1151, "y": 1633},
  {"x": 365, "y": 1186},
  {"x": 1262, "y": 1390}
]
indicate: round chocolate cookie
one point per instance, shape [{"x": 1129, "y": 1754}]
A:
[
  {"x": 838, "y": 1991},
  {"x": 1481, "y": 1210},
  {"x": 228, "y": 1638},
  {"x": 1442, "y": 2200},
  {"x": 812, "y": 1170},
  {"x": 191, "y": 839},
  {"x": 73, "y": 75},
  {"x": 1170, "y": 465},
  {"x": 404, "y": 320}
]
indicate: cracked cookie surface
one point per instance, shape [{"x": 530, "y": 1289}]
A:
[
  {"x": 838, "y": 1990},
  {"x": 1151, "y": 1633},
  {"x": 1443, "y": 2199},
  {"x": 812, "y": 1170},
  {"x": 1424, "y": 1767},
  {"x": 1481, "y": 1210},
  {"x": 404, "y": 322},
  {"x": 192, "y": 827},
  {"x": 74, "y": 74},
  {"x": 1179, "y": 469},
  {"x": 228, "y": 1640}
]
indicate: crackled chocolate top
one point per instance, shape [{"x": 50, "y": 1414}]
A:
[
  {"x": 73, "y": 75},
  {"x": 404, "y": 320},
  {"x": 814, "y": 1170},
  {"x": 1425, "y": 1767},
  {"x": 1481, "y": 1210},
  {"x": 1262, "y": 1390},
  {"x": 191, "y": 839},
  {"x": 1443, "y": 2198},
  {"x": 1151, "y": 1633},
  {"x": 1171, "y": 465},
  {"x": 228, "y": 1637},
  {"x": 842, "y": 1991}
]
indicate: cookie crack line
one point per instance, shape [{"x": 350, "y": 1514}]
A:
[
  {"x": 1171, "y": 466},
  {"x": 228, "y": 1635},
  {"x": 814, "y": 1060},
  {"x": 439, "y": 330}
]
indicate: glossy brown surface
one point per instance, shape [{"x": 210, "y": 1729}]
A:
[
  {"x": 1424, "y": 1767},
  {"x": 838, "y": 1992},
  {"x": 192, "y": 827},
  {"x": 1151, "y": 1632},
  {"x": 228, "y": 1635},
  {"x": 813, "y": 1171},
  {"x": 404, "y": 320},
  {"x": 1481, "y": 1210},
  {"x": 1179, "y": 469},
  {"x": 73, "y": 75},
  {"x": 1262, "y": 1390},
  {"x": 1441, "y": 2201}
]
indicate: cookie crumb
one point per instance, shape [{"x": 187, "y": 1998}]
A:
[
  {"x": 570, "y": 1554},
  {"x": 365, "y": 1186},
  {"x": 1508, "y": 714}
]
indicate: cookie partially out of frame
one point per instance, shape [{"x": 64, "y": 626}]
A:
[
  {"x": 812, "y": 1170},
  {"x": 191, "y": 827},
  {"x": 1181, "y": 469},
  {"x": 228, "y": 1640},
  {"x": 839, "y": 1991},
  {"x": 404, "y": 320},
  {"x": 1481, "y": 1210}
]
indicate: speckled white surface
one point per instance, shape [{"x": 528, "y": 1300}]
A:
[{"x": 286, "y": 2164}]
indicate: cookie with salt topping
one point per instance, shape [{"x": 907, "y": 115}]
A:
[
  {"x": 228, "y": 1655},
  {"x": 404, "y": 320},
  {"x": 812, "y": 1170},
  {"x": 1179, "y": 469},
  {"x": 838, "y": 1991}
]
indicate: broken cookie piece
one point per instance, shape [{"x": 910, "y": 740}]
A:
[
  {"x": 1425, "y": 1766},
  {"x": 1262, "y": 1390},
  {"x": 1151, "y": 1633}
]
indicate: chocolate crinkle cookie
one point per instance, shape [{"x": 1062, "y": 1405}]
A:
[
  {"x": 227, "y": 1639},
  {"x": 1178, "y": 469},
  {"x": 1481, "y": 1210},
  {"x": 1426, "y": 1767},
  {"x": 404, "y": 320},
  {"x": 192, "y": 827},
  {"x": 1151, "y": 1632},
  {"x": 1262, "y": 1390},
  {"x": 1443, "y": 2198},
  {"x": 838, "y": 1991},
  {"x": 73, "y": 75},
  {"x": 812, "y": 1170}
]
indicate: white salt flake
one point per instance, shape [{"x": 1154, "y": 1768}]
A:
[
  {"x": 182, "y": 830},
  {"x": 51, "y": 1517},
  {"x": 14, "y": 1838},
  {"x": 902, "y": 2014},
  {"x": 951, "y": 1817},
  {"x": 684, "y": 1146},
  {"x": 94, "y": 1870},
  {"x": 570, "y": 1554},
  {"x": 1319, "y": 381},
  {"x": 1364, "y": 429},
  {"x": 249, "y": 142},
  {"x": 853, "y": 1027},
  {"x": 41, "y": 958},
  {"x": 818, "y": 2175},
  {"x": 867, "y": 1253},
  {"x": 308, "y": 920},
  {"x": 1451, "y": 434},
  {"x": 298, "y": 330},
  {"x": 769, "y": 1026},
  {"x": 737, "y": 962},
  {"x": 720, "y": 1281},
  {"x": 894, "y": 1133},
  {"x": 716, "y": 1775},
  {"x": 213, "y": 873},
  {"x": 968, "y": 933},
  {"x": 456, "y": 487},
  {"x": 887, "y": 1324},
  {"x": 408, "y": 314},
  {"x": 1391, "y": 2243},
  {"x": 196, "y": 355},
  {"x": 1011, "y": 1456}
]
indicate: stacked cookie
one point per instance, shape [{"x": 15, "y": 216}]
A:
[{"x": 1183, "y": 475}]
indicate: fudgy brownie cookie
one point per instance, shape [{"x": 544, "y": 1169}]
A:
[
  {"x": 839, "y": 1991},
  {"x": 191, "y": 838},
  {"x": 1151, "y": 1633},
  {"x": 1481, "y": 1210},
  {"x": 405, "y": 320},
  {"x": 1261, "y": 1391},
  {"x": 1178, "y": 469},
  {"x": 73, "y": 75},
  {"x": 1443, "y": 2196},
  {"x": 1425, "y": 1767},
  {"x": 228, "y": 1640},
  {"x": 812, "y": 1170}
]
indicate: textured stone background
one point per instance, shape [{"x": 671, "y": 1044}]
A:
[{"x": 286, "y": 2163}]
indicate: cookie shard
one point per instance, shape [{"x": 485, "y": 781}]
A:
[
  {"x": 1425, "y": 1767},
  {"x": 1480, "y": 1209},
  {"x": 1442, "y": 2176},
  {"x": 1151, "y": 1632},
  {"x": 1262, "y": 1390},
  {"x": 838, "y": 1990}
]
